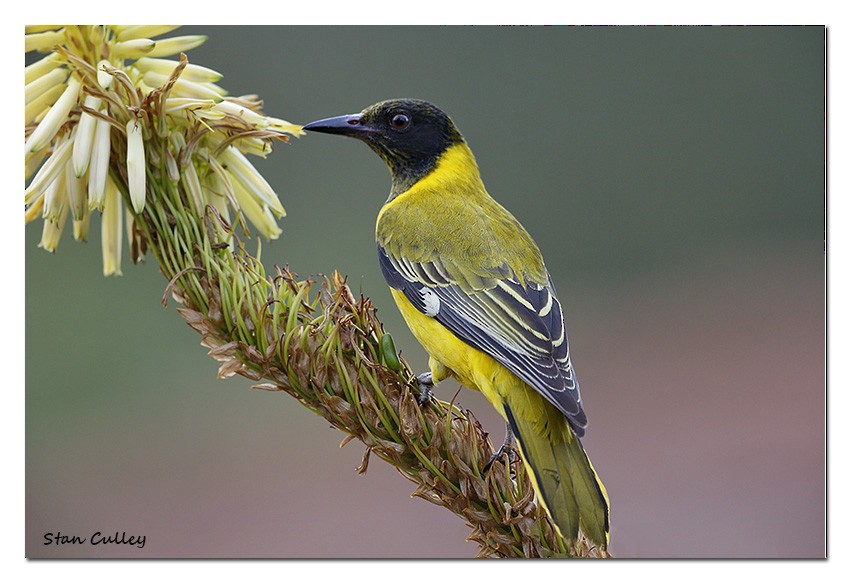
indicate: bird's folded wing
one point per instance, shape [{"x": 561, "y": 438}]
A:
[{"x": 520, "y": 326}]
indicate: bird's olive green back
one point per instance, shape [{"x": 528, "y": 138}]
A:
[{"x": 449, "y": 216}]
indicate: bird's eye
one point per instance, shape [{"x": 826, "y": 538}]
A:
[{"x": 400, "y": 121}]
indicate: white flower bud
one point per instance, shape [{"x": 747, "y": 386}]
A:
[{"x": 136, "y": 165}]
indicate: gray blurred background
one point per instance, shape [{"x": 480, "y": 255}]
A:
[{"x": 674, "y": 180}]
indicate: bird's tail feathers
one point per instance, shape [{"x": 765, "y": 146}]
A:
[{"x": 564, "y": 480}]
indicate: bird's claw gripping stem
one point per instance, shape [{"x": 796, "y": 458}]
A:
[
  {"x": 506, "y": 449},
  {"x": 426, "y": 384}
]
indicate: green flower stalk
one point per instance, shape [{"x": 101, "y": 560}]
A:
[{"x": 159, "y": 151}]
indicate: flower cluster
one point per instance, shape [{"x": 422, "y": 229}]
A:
[{"x": 110, "y": 124}]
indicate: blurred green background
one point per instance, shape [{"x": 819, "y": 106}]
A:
[{"x": 673, "y": 178}]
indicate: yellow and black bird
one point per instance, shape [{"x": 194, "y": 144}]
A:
[{"x": 471, "y": 285}]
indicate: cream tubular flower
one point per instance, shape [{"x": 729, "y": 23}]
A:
[
  {"x": 133, "y": 49},
  {"x": 110, "y": 234},
  {"x": 85, "y": 136},
  {"x": 104, "y": 78},
  {"x": 254, "y": 146},
  {"x": 81, "y": 227},
  {"x": 48, "y": 172},
  {"x": 99, "y": 164},
  {"x": 176, "y": 45},
  {"x": 52, "y": 232},
  {"x": 55, "y": 212},
  {"x": 201, "y": 107},
  {"x": 251, "y": 180},
  {"x": 183, "y": 88},
  {"x": 191, "y": 183},
  {"x": 166, "y": 67},
  {"x": 35, "y": 211},
  {"x": 55, "y": 199},
  {"x": 36, "y": 108},
  {"x": 41, "y": 68},
  {"x": 34, "y": 89},
  {"x": 42, "y": 41},
  {"x": 57, "y": 115},
  {"x": 136, "y": 165},
  {"x": 281, "y": 125},
  {"x": 256, "y": 212},
  {"x": 31, "y": 28},
  {"x": 261, "y": 121},
  {"x": 216, "y": 192},
  {"x": 143, "y": 31},
  {"x": 221, "y": 183},
  {"x": 237, "y": 110},
  {"x": 78, "y": 202}
]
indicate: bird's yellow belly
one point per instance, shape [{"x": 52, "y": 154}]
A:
[
  {"x": 471, "y": 367},
  {"x": 476, "y": 370}
]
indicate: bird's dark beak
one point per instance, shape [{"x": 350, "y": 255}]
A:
[{"x": 344, "y": 125}]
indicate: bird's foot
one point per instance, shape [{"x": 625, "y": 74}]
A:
[
  {"x": 507, "y": 449},
  {"x": 426, "y": 384}
]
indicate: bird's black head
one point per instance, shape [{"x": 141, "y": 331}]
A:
[{"x": 409, "y": 134}]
